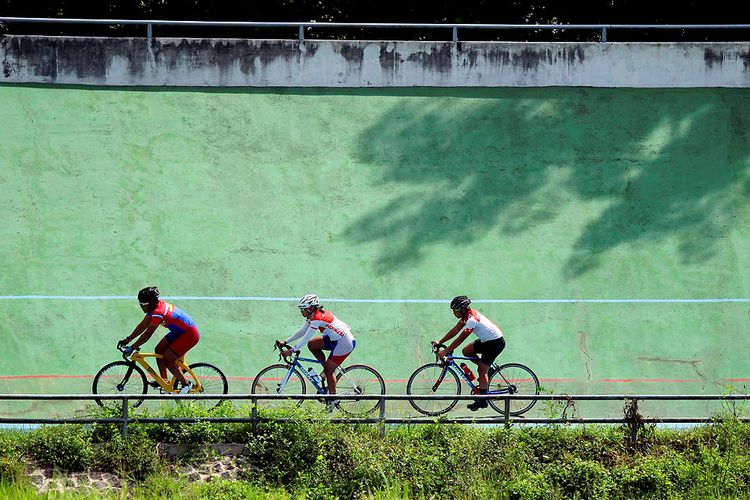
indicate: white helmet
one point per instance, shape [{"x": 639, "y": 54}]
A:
[{"x": 308, "y": 300}]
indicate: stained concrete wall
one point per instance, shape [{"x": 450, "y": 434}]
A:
[{"x": 329, "y": 63}]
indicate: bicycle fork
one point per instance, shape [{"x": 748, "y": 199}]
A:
[
  {"x": 121, "y": 385},
  {"x": 280, "y": 386},
  {"x": 440, "y": 378}
]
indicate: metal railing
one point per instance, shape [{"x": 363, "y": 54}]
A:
[
  {"x": 301, "y": 26},
  {"x": 631, "y": 418}
]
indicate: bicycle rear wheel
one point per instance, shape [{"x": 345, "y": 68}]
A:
[
  {"x": 514, "y": 378},
  {"x": 212, "y": 381},
  {"x": 359, "y": 380},
  {"x": 429, "y": 379},
  {"x": 119, "y": 377},
  {"x": 269, "y": 381}
]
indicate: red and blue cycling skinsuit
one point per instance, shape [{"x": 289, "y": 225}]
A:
[{"x": 183, "y": 334}]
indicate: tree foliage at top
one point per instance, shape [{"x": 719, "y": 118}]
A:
[{"x": 369, "y": 11}]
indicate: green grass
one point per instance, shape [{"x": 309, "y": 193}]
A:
[{"x": 318, "y": 459}]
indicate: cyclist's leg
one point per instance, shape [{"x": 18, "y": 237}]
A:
[
  {"x": 470, "y": 350},
  {"x": 161, "y": 348},
  {"x": 341, "y": 350},
  {"x": 316, "y": 346},
  {"x": 490, "y": 351},
  {"x": 177, "y": 349},
  {"x": 473, "y": 350}
]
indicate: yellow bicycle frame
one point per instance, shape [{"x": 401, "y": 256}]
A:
[{"x": 166, "y": 385}]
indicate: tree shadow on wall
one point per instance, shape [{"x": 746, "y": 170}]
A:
[{"x": 658, "y": 164}]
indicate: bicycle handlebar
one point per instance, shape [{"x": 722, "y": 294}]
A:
[
  {"x": 279, "y": 345},
  {"x": 121, "y": 348},
  {"x": 436, "y": 347}
]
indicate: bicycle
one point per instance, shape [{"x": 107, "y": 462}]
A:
[
  {"x": 126, "y": 377},
  {"x": 288, "y": 378},
  {"x": 444, "y": 378}
]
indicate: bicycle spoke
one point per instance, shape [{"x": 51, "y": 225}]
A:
[
  {"x": 212, "y": 381},
  {"x": 271, "y": 380},
  {"x": 359, "y": 380},
  {"x": 424, "y": 381},
  {"x": 514, "y": 378},
  {"x": 119, "y": 378}
]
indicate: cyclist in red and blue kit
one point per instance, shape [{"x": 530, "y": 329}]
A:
[{"x": 183, "y": 334}]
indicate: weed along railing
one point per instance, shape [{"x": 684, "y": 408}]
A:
[{"x": 631, "y": 415}]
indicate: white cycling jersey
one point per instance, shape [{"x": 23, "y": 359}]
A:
[
  {"x": 485, "y": 329},
  {"x": 329, "y": 326}
]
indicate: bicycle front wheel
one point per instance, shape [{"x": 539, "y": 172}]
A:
[
  {"x": 119, "y": 377},
  {"x": 270, "y": 380},
  {"x": 436, "y": 380},
  {"x": 212, "y": 381},
  {"x": 514, "y": 378},
  {"x": 359, "y": 380}
]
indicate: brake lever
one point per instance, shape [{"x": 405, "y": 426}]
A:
[
  {"x": 126, "y": 356},
  {"x": 435, "y": 349},
  {"x": 281, "y": 355}
]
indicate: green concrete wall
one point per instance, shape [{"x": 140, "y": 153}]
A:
[{"x": 407, "y": 194}]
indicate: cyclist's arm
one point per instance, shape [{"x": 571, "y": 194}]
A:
[
  {"x": 300, "y": 332},
  {"x": 144, "y": 330},
  {"x": 452, "y": 333},
  {"x": 138, "y": 329},
  {"x": 459, "y": 340},
  {"x": 306, "y": 333}
]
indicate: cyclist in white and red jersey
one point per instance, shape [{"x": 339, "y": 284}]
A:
[
  {"x": 489, "y": 344},
  {"x": 336, "y": 336}
]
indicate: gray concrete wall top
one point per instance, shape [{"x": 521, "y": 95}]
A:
[{"x": 335, "y": 63}]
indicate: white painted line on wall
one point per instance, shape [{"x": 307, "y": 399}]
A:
[{"x": 386, "y": 301}]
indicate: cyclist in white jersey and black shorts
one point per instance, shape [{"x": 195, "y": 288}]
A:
[{"x": 489, "y": 344}]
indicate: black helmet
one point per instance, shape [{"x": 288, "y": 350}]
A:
[
  {"x": 148, "y": 295},
  {"x": 460, "y": 302}
]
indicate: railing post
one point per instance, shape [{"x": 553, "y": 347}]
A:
[
  {"x": 604, "y": 34},
  {"x": 149, "y": 30},
  {"x": 633, "y": 419},
  {"x": 301, "y": 33},
  {"x": 254, "y": 414},
  {"x": 455, "y": 34},
  {"x": 506, "y": 410},
  {"x": 382, "y": 416},
  {"x": 125, "y": 417}
]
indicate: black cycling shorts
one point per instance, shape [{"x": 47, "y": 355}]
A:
[{"x": 489, "y": 350}]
